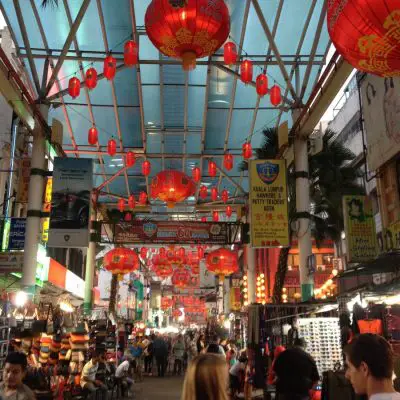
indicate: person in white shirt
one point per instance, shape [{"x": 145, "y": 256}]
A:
[
  {"x": 122, "y": 373},
  {"x": 369, "y": 362},
  {"x": 88, "y": 376}
]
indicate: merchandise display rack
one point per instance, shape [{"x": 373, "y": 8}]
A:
[{"x": 4, "y": 339}]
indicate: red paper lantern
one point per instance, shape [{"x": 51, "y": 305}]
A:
[
  {"x": 246, "y": 71},
  {"x": 128, "y": 217},
  {"x": 275, "y": 95},
  {"x": 230, "y": 53},
  {"x": 146, "y": 168},
  {"x": 172, "y": 187},
  {"x": 164, "y": 271},
  {"x": 366, "y": 34},
  {"x": 91, "y": 78},
  {"x": 247, "y": 151},
  {"x": 162, "y": 252},
  {"x": 130, "y": 158},
  {"x": 212, "y": 169},
  {"x": 180, "y": 278},
  {"x": 131, "y": 51},
  {"x": 143, "y": 198},
  {"x": 177, "y": 313},
  {"x": 215, "y": 216},
  {"x": 93, "y": 136},
  {"x": 200, "y": 252},
  {"x": 197, "y": 30},
  {"x": 143, "y": 252},
  {"x": 121, "y": 205},
  {"x": 203, "y": 193},
  {"x": 196, "y": 174},
  {"x": 121, "y": 261},
  {"x": 166, "y": 303},
  {"x": 203, "y": 219},
  {"x": 131, "y": 201},
  {"x": 224, "y": 195},
  {"x": 74, "y": 87},
  {"x": 214, "y": 194},
  {"x": 228, "y": 161},
  {"x": 182, "y": 252},
  {"x": 110, "y": 67},
  {"x": 262, "y": 85},
  {"x": 111, "y": 147},
  {"x": 222, "y": 262},
  {"x": 228, "y": 211}
]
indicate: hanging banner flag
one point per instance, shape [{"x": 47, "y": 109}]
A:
[
  {"x": 47, "y": 209},
  {"x": 359, "y": 227},
  {"x": 70, "y": 202},
  {"x": 16, "y": 239},
  {"x": 268, "y": 203},
  {"x": 23, "y": 180}
]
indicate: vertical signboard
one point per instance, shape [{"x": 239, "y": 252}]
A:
[
  {"x": 359, "y": 227},
  {"x": 70, "y": 203},
  {"x": 47, "y": 209},
  {"x": 16, "y": 239},
  {"x": 23, "y": 180},
  {"x": 268, "y": 203}
]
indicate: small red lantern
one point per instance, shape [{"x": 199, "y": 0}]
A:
[
  {"x": 128, "y": 217},
  {"x": 247, "y": 151},
  {"x": 203, "y": 219},
  {"x": 180, "y": 278},
  {"x": 121, "y": 205},
  {"x": 110, "y": 67},
  {"x": 121, "y": 261},
  {"x": 143, "y": 198},
  {"x": 143, "y": 252},
  {"x": 182, "y": 252},
  {"x": 196, "y": 174},
  {"x": 212, "y": 169},
  {"x": 262, "y": 85},
  {"x": 74, "y": 87},
  {"x": 246, "y": 71},
  {"x": 222, "y": 262},
  {"x": 275, "y": 95},
  {"x": 177, "y": 313},
  {"x": 166, "y": 303},
  {"x": 111, "y": 147},
  {"x": 215, "y": 216},
  {"x": 91, "y": 78},
  {"x": 162, "y": 252},
  {"x": 164, "y": 271},
  {"x": 228, "y": 161},
  {"x": 93, "y": 136},
  {"x": 130, "y": 159},
  {"x": 214, "y": 194},
  {"x": 203, "y": 193},
  {"x": 224, "y": 195},
  {"x": 146, "y": 168},
  {"x": 200, "y": 252},
  {"x": 228, "y": 211},
  {"x": 131, "y": 51},
  {"x": 230, "y": 53},
  {"x": 131, "y": 201}
]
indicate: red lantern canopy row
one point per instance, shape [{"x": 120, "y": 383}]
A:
[{"x": 121, "y": 261}]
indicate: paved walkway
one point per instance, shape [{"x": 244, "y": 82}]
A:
[{"x": 154, "y": 388}]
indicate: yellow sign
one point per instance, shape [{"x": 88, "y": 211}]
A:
[
  {"x": 392, "y": 236},
  {"x": 47, "y": 208},
  {"x": 359, "y": 226},
  {"x": 268, "y": 203}
]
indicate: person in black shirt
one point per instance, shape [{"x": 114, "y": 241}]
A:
[{"x": 296, "y": 373}]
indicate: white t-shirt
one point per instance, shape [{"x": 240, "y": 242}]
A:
[
  {"x": 122, "y": 369},
  {"x": 236, "y": 368},
  {"x": 385, "y": 396},
  {"x": 89, "y": 372}
]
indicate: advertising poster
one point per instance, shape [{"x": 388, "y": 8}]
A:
[
  {"x": 47, "y": 208},
  {"x": 23, "y": 180},
  {"x": 359, "y": 226},
  {"x": 70, "y": 202},
  {"x": 392, "y": 237},
  {"x": 16, "y": 239},
  {"x": 268, "y": 204}
]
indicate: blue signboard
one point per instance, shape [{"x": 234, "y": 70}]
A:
[{"x": 16, "y": 239}]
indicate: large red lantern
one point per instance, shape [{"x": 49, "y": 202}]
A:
[
  {"x": 121, "y": 205},
  {"x": 212, "y": 169},
  {"x": 91, "y": 78},
  {"x": 222, "y": 262},
  {"x": 74, "y": 87},
  {"x": 224, "y": 195},
  {"x": 110, "y": 67},
  {"x": 203, "y": 193},
  {"x": 197, "y": 30},
  {"x": 111, "y": 147},
  {"x": 131, "y": 51},
  {"x": 366, "y": 34},
  {"x": 275, "y": 95},
  {"x": 247, "y": 150},
  {"x": 166, "y": 303},
  {"x": 131, "y": 201},
  {"x": 93, "y": 136},
  {"x": 121, "y": 261},
  {"x": 146, "y": 168},
  {"x": 246, "y": 71},
  {"x": 214, "y": 194},
  {"x": 228, "y": 161},
  {"x": 196, "y": 174},
  {"x": 262, "y": 84},
  {"x": 230, "y": 53},
  {"x": 143, "y": 198},
  {"x": 215, "y": 216},
  {"x": 172, "y": 187},
  {"x": 180, "y": 278},
  {"x": 130, "y": 158}
]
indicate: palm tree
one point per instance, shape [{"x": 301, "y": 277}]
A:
[
  {"x": 53, "y": 3},
  {"x": 330, "y": 179}
]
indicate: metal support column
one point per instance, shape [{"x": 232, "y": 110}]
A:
[
  {"x": 90, "y": 267},
  {"x": 251, "y": 273},
  {"x": 35, "y": 198}
]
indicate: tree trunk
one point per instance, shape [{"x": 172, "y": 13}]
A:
[
  {"x": 113, "y": 294},
  {"x": 280, "y": 274}
]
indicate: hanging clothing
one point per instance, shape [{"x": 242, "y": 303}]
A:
[{"x": 370, "y": 326}]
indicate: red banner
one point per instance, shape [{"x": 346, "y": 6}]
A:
[{"x": 292, "y": 279}]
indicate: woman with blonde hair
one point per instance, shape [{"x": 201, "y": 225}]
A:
[{"x": 206, "y": 378}]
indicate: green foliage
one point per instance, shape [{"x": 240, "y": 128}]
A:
[{"x": 51, "y": 3}]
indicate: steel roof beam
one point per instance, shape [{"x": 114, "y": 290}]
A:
[
  {"x": 274, "y": 48},
  {"x": 185, "y": 118},
  {"x": 139, "y": 153},
  {"x": 67, "y": 44},
  {"x": 109, "y": 180},
  {"x": 162, "y": 132}
]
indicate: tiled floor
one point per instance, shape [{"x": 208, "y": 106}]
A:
[{"x": 154, "y": 388}]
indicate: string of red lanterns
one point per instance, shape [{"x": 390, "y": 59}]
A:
[{"x": 214, "y": 194}]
